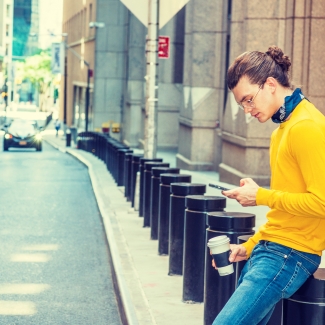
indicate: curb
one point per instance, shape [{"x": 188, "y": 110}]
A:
[{"x": 126, "y": 308}]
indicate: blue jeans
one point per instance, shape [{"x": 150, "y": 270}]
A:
[{"x": 273, "y": 272}]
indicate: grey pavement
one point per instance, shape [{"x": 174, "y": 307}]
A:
[
  {"x": 148, "y": 294},
  {"x": 54, "y": 263}
]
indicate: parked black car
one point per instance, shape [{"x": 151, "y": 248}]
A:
[{"x": 22, "y": 134}]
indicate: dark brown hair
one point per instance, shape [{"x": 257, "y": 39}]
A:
[{"x": 258, "y": 66}]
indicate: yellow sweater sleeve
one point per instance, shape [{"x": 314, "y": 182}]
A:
[{"x": 307, "y": 146}]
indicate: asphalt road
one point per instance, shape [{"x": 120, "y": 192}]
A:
[{"x": 54, "y": 265}]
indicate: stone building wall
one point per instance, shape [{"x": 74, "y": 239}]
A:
[
  {"x": 203, "y": 84},
  {"x": 255, "y": 25}
]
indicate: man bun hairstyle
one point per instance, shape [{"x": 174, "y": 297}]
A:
[
  {"x": 258, "y": 66},
  {"x": 278, "y": 56}
]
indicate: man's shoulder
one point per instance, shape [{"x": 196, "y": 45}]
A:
[{"x": 307, "y": 116}]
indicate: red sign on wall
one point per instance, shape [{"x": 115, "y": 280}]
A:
[{"x": 163, "y": 47}]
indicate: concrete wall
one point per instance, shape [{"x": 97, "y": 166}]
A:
[
  {"x": 134, "y": 91},
  {"x": 204, "y": 82},
  {"x": 110, "y": 62},
  {"x": 306, "y": 46},
  {"x": 294, "y": 26},
  {"x": 170, "y": 75}
]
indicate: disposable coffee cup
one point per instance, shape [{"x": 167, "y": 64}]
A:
[{"x": 220, "y": 250}]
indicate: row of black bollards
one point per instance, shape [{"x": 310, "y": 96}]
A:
[{"x": 182, "y": 219}]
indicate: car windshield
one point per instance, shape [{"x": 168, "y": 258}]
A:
[{"x": 24, "y": 127}]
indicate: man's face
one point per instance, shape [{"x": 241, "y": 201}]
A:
[{"x": 255, "y": 99}]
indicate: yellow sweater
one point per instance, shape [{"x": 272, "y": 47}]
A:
[{"x": 297, "y": 192}]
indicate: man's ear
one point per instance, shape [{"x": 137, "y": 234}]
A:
[{"x": 271, "y": 83}]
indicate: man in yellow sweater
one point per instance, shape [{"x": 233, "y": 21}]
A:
[{"x": 288, "y": 248}]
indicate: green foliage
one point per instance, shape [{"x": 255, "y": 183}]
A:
[{"x": 37, "y": 69}]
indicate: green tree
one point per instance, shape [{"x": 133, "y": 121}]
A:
[{"x": 37, "y": 69}]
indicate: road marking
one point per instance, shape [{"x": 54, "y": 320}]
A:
[
  {"x": 17, "y": 308},
  {"x": 41, "y": 247},
  {"x": 23, "y": 288},
  {"x": 30, "y": 258}
]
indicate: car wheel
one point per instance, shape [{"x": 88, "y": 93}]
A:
[
  {"x": 39, "y": 147},
  {"x": 5, "y": 147}
]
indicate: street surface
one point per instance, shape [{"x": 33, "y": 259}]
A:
[{"x": 54, "y": 264}]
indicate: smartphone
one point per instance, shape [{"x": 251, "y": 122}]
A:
[{"x": 219, "y": 187}]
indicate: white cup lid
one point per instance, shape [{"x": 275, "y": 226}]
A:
[{"x": 218, "y": 240}]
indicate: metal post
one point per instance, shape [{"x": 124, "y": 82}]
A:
[
  {"x": 217, "y": 289},
  {"x": 307, "y": 304},
  {"x": 141, "y": 170},
  {"x": 151, "y": 114},
  {"x": 87, "y": 98},
  {"x": 197, "y": 206},
  {"x": 65, "y": 91},
  {"x": 154, "y": 197},
  {"x": 179, "y": 192},
  {"x": 147, "y": 175},
  {"x": 164, "y": 208}
]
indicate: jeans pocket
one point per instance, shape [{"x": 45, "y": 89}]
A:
[
  {"x": 298, "y": 278},
  {"x": 277, "y": 249}
]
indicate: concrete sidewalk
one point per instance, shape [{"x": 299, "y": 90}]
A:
[{"x": 149, "y": 296}]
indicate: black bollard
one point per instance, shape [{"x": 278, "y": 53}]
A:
[
  {"x": 276, "y": 318},
  {"x": 164, "y": 207},
  {"x": 141, "y": 170},
  {"x": 127, "y": 175},
  {"x": 307, "y": 305},
  {"x": 217, "y": 289},
  {"x": 121, "y": 167},
  {"x": 277, "y": 315},
  {"x": 134, "y": 170},
  {"x": 147, "y": 189},
  {"x": 68, "y": 138},
  {"x": 154, "y": 197},
  {"x": 197, "y": 207},
  {"x": 240, "y": 265},
  {"x": 116, "y": 158},
  {"x": 179, "y": 191}
]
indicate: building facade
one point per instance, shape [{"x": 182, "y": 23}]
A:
[
  {"x": 25, "y": 28},
  {"x": 6, "y": 36},
  {"x": 197, "y": 115},
  {"x": 80, "y": 51}
]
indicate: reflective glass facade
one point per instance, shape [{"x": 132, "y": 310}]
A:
[{"x": 25, "y": 29}]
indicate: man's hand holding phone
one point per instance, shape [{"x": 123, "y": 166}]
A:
[{"x": 245, "y": 194}]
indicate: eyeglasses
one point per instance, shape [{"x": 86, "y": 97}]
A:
[{"x": 249, "y": 103}]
